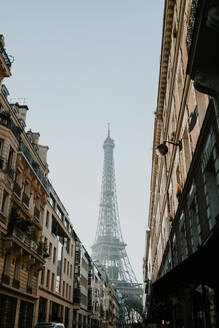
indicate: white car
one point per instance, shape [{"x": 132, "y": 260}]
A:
[{"x": 50, "y": 325}]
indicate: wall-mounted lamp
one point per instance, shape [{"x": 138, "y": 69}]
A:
[{"x": 162, "y": 149}]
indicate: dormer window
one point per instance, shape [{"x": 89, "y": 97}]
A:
[
  {"x": 29, "y": 135},
  {"x": 15, "y": 108},
  {"x": 22, "y": 123}
]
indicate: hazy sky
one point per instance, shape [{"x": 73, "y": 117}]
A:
[{"x": 80, "y": 64}]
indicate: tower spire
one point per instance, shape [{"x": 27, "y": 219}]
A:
[
  {"x": 109, "y": 248},
  {"x": 108, "y": 129}
]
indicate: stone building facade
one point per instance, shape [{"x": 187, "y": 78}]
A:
[
  {"x": 46, "y": 274},
  {"x": 180, "y": 277},
  {"x": 23, "y": 197}
]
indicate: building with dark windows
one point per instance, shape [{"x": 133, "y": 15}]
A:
[
  {"x": 46, "y": 273},
  {"x": 180, "y": 276},
  {"x": 23, "y": 196}
]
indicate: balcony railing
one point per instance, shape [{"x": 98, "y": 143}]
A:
[
  {"x": 20, "y": 235},
  {"x": 25, "y": 199},
  {"x": 17, "y": 189},
  {"x": 9, "y": 171},
  {"x": 5, "y": 56},
  {"x": 34, "y": 165},
  {"x": 36, "y": 212}
]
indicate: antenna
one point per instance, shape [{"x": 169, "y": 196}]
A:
[{"x": 108, "y": 129}]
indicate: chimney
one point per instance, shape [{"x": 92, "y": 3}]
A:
[
  {"x": 22, "y": 111},
  {"x": 43, "y": 153},
  {"x": 35, "y": 136}
]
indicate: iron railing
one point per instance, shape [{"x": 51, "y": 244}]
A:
[
  {"x": 21, "y": 236},
  {"x": 5, "y": 56}
]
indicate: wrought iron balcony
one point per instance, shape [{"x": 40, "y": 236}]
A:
[
  {"x": 22, "y": 236},
  {"x": 9, "y": 171},
  {"x": 36, "y": 212},
  {"x": 5, "y": 56},
  {"x": 17, "y": 189},
  {"x": 25, "y": 199}
]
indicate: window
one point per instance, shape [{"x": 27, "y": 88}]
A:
[
  {"x": 64, "y": 265},
  {"x": 59, "y": 213},
  {"x": 194, "y": 218},
  {"x": 4, "y": 202},
  {"x": 16, "y": 274},
  {"x": 48, "y": 278},
  {"x": 63, "y": 289},
  {"x": 54, "y": 255},
  {"x": 66, "y": 243},
  {"x": 66, "y": 294},
  {"x": 68, "y": 269},
  {"x": 66, "y": 224},
  {"x": 42, "y": 276},
  {"x": 10, "y": 157},
  {"x": 1, "y": 147},
  {"x": 183, "y": 240},
  {"x": 47, "y": 219},
  {"x": 7, "y": 265},
  {"x": 212, "y": 193},
  {"x": 50, "y": 249},
  {"x": 29, "y": 280},
  {"x": 52, "y": 283},
  {"x": 45, "y": 242},
  {"x": 52, "y": 201}
]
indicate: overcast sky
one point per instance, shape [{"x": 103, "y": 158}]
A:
[{"x": 79, "y": 64}]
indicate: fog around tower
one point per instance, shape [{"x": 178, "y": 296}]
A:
[{"x": 78, "y": 65}]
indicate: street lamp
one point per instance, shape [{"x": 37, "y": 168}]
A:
[{"x": 162, "y": 148}]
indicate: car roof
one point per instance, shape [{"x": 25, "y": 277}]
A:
[{"x": 50, "y": 324}]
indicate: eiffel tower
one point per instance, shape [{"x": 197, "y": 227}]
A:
[{"x": 109, "y": 248}]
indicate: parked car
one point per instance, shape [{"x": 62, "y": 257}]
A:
[{"x": 50, "y": 325}]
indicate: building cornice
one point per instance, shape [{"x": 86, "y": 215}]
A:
[{"x": 165, "y": 52}]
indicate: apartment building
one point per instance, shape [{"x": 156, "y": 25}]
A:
[
  {"x": 180, "y": 277},
  {"x": 56, "y": 279},
  {"x": 23, "y": 195}
]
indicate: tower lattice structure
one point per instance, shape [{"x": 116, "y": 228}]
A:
[{"x": 109, "y": 247}]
